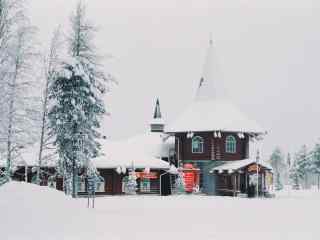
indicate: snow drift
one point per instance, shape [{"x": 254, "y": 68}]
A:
[{"x": 30, "y": 212}]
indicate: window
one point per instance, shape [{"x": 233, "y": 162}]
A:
[
  {"x": 197, "y": 144},
  {"x": 231, "y": 144}
]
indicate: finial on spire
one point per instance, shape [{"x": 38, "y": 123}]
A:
[{"x": 210, "y": 39}]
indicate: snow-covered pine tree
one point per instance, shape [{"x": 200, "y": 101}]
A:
[
  {"x": 78, "y": 105},
  {"x": 303, "y": 163},
  {"x": 294, "y": 174},
  {"x": 180, "y": 186},
  {"x": 278, "y": 165},
  {"x": 289, "y": 161},
  {"x": 315, "y": 163},
  {"x": 287, "y": 169}
]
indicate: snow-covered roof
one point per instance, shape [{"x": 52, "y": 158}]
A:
[
  {"x": 211, "y": 110},
  {"x": 235, "y": 165},
  {"x": 153, "y": 143},
  {"x": 213, "y": 115},
  {"x": 141, "y": 151}
]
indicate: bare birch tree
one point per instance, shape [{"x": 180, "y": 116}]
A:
[
  {"x": 51, "y": 63},
  {"x": 19, "y": 110}
]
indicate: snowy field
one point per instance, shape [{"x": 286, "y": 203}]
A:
[{"x": 30, "y": 212}]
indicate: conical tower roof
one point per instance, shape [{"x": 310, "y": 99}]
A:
[
  {"x": 157, "y": 122},
  {"x": 157, "y": 112},
  {"x": 211, "y": 110},
  {"x": 211, "y": 82}
]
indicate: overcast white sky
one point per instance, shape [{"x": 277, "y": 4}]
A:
[{"x": 268, "y": 52}]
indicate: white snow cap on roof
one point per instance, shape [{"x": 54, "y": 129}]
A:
[
  {"x": 236, "y": 165},
  {"x": 211, "y": 110},
  {"x": 141, "y": 151},
  {"x": 209, "y": 115},
  {"x": 211, "y": 83}
]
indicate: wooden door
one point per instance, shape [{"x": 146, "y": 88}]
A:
[{"x": 108, "y": 184}]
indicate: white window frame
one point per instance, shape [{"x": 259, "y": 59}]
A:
[
  {"x": 201, "y": 144},
  {"x": 231, "y": 144}
]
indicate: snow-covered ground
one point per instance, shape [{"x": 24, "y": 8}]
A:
[{"x": 30, "y": 212}]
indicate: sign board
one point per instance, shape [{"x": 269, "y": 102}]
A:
[
  {"x": 189, "y": 181},
  {"x": 150, "y": 175},
  {"x": 253, "y": 168}
]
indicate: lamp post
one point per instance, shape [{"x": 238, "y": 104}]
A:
[
  {"x": 257, "y": 162},
  {"x": 178, "y": 151}
]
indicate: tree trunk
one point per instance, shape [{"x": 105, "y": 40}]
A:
[
  {"x": 44, "y": 115},
  {"x": 10, "y": 117}
]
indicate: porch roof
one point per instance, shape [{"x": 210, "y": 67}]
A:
[{"x": 235, "y": 165}]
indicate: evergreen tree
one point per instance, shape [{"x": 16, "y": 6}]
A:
[
  {"x": 77, "y": 101},
  {"x": 303, "y": 164},
  {"x": 315, "y": 162},
  {"x": 289, "y": 161},
  {"x": 278, "y": 165},
  {"x": 287, "y": 169},
  {"x": 180, "y": 186},
  {"x": 294, "y": 175}
]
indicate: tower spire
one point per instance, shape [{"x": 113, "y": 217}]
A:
[
  {"x": 157, "y": 123},
  {"x": 157, "y": 112},
  {"x": 210, "y": 85}
]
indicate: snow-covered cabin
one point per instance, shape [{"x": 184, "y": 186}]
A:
[
  {"x": 212, "y": 132},
  {"x": 149, "y": 154}
]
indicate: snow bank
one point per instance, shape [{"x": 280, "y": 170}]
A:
[{"x": 31, "y": 212}]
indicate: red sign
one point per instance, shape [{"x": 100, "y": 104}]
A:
[
  {"x": 189, "y": 181},
  {"x": 150, "y": 175}
]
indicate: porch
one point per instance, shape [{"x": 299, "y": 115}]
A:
[{"x": 240, "y": 178}]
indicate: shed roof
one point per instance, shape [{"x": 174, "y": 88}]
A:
[{"x": 235, "y": 165}]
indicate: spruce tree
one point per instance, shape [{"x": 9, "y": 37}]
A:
[
  {"x": 278, "y": 165},
  {"x": 315, "y": 163},
  {"x": 303, "y": 164},
  {"x": 77, "y": 101},
  {"x": 294, "y": 175}
]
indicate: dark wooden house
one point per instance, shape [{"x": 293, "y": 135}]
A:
[{"x": 214, "y": 136}]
